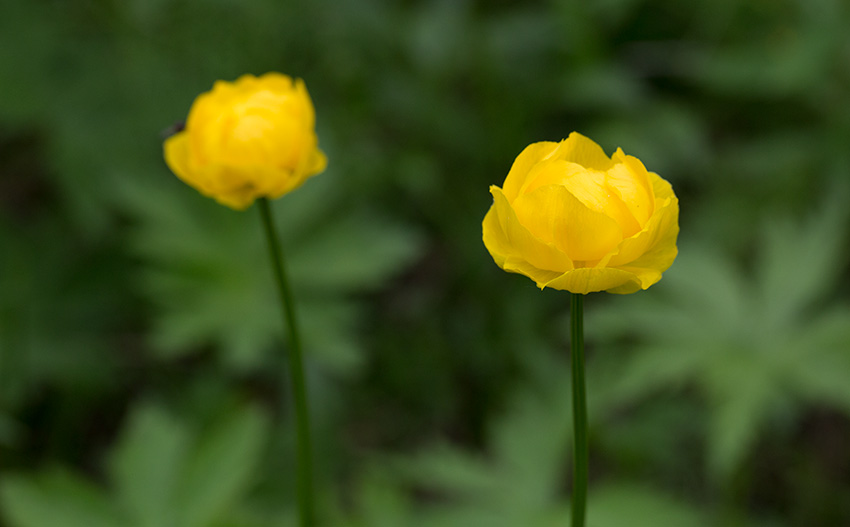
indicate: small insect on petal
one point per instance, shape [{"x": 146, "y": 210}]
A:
[{"x": 179, "y": 126}]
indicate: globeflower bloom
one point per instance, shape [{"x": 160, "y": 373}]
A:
[
  {"x": 569, "y": 217},
  {"x": 248, "y": 139}
]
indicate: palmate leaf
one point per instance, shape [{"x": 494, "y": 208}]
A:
[
  {"x": 533, "y": 463},
  {"x": 163, "y": 474},
  {"x": 519, "y": 480},
  {"x": 800, "y": 262},
  {"x": 517, "y": 483},
  {"x": 819, "y": 358},
  {"x": 743, "y": 396},
  {"x": 751, "y": 344},
  {"x": 207, "y": 270}
]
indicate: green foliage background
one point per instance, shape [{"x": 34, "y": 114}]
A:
[{"x": 142, "y": 380}]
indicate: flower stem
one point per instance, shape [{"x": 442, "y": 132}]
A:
[
  {"x": 304, "y": 468},
  {"x": 579, "y": 411}
]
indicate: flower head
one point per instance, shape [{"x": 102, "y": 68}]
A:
[
  {"x": 569, "y": 217},
  {"x": 248, "y": 139}
]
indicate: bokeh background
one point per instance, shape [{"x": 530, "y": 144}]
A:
[{"x": 142, "y": 380}]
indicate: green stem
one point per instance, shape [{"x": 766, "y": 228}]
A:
[
  {"x": 304, "y": 469},
  {"x": 579, "y": 411}
]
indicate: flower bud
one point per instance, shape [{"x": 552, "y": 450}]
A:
[
  {"x": 569, "y": 217},
  {"x": 248, "y": 139}
]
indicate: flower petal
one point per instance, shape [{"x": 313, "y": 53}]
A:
[
  {"x": 275, "y": 81},
  {"x": 234, "y": 186},
  {"x": 660, "y": 186},
  {"x": 552, "y": 172},
  {"x": 554, "y": 215},
  {"x": 653, "y": 250},
  {"x": 505, "y": 238},
  {"x": 630, "y": 181},
  {"x": 317, "y": 162},
  {"x": 650, "y": 266},
  {"x": 626, "y": 289},
  {"x": 583, "y": 151},
  {"x": 525, "y": 161},
  {"x": 519, "y": 266},
  {"x": 589, "y": 280},
  {"x": 656, "y": 260},
  {"x": 662, "y": 222},
  {"x": 176, "y": 153},
  {"x": 178, "y": 156},
  {"x": 237, "y": 200}
]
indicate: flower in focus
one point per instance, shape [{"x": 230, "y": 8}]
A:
[
  {"x": 248, "y": 139},
  {"x": 569, "y": 217}
]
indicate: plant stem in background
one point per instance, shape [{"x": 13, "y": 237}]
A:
[
  {"x": 579, "y": 410},
  {"x": 304, "y": 481}
]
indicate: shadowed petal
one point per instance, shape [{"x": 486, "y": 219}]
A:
[
  {"x": 540, "y": 277},
  {"x": 505, "y": 237},
  {"x": 589, "y": 280}
]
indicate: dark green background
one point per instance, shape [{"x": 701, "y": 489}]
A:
[{"x": 142, "y": 380}]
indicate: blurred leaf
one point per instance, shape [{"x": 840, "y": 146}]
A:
[
  {"x": 60, "y": 309},
  {"x": 10, "y": 430},
  {"x": 668, "y": 137},
  {"x": 638, "y": 506},
  {"x": 163, "y": 473},
  {"x": 146, "y": 466},
  {"x": 208, "y": 269},
  {"x": 56, "y": 499},
  {"x": 518, "y": 483},
  {"x": 222, "y": 466},
  {"x": 532, "y": 442},
  {"x": 754, "y": 344},
  {"x": 822, "y": 377},
  {"x": 379, "y": 502},
  {"x": 455, "y": 472},
  {"x": 743, "y": 395},
  {"x": 603, "y": 86},
  {"x": 800, "y": 263},
  {"x": 356, "y": 251},
  {"x": 782, "y": 63}
]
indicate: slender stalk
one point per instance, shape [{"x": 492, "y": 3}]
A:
[
  {"x": 304, "y": 468},
  {"x": 579, "y": 411}
]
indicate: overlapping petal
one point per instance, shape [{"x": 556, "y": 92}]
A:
[
  {"x": 532, "y": 155},
  {"x": 556, "y": 216},
  {"x": 592, "y": 279},
  {"x": 505, "y": 237},
  {"x": 585, "y": 152},
  {"x": 630, "y": 180}
]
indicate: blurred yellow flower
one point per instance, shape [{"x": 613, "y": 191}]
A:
[
  {"x": 569, "y": 217},
  {"x": 248, "y": 139}
]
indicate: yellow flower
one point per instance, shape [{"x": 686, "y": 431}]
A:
[
  {"x": 571, "y": 218},
  {"x": 248, "y": 139}
]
